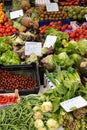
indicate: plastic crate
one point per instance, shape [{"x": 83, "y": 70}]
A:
[
  {"x": 30, "y": 70},
  {"x": 8, "y": 5},
  {"x": 47, "y": 22}
]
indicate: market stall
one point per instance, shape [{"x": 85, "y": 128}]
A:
[{"x": 43, "y": 65}]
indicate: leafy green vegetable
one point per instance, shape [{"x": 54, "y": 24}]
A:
[
  {"x": 48, "y": 62},
  {"x": 10, "y": 57},
  {"x": 63, "y": 59},
  {"x": 4, "y": 45},
  {"x": 75, "y": 58},
  {"x": 60, "y": 35},
  {"x": 32, "y": 58},
  {"x": 82, "y": 46}
]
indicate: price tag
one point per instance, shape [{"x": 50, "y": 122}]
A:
[
  {"x": 33, "y": 48},
  {"x": 86, "y": 17},
  {"x": 50, "y": 40},
  {"x": 74, "y": 103},
  {"x": 42, "y": 2},
  {"x": 52, "y": 7},
  {"x": 16, "y": 14}
]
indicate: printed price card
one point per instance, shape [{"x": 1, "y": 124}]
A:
[
  {"x": 50, "y": 40},
  {"x": 86, "y": 17},
  {"x": 16, "y": 14},
  {"x": 74, "y": 103},
  {"x": 52, "y": 7},
  {"x": 33, "y": 48}
]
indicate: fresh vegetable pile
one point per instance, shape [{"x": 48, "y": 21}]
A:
[
  {"x": 57, "y": 25},
  {"x": 44, "y": 112},
  {"x": 79, "y": 33},
  {"x": 8, "y": 99},
  {"x": 11, "y": 81},
  {"x": 66, "y": 53},
  {"x": 69, "y": 2},
  {"x": 6, "y": 29}
]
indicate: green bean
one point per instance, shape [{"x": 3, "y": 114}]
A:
[
  {"x": 2, "y": 115},
  {"x": 12, "y": 126}
]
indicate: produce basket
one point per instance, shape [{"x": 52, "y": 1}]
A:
[{"x": 26, "y": 78}]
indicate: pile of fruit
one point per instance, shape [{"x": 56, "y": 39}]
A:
[
  {"x": 76, "y": 12},
  {"x": 69, "y": 2},
  {"x": 57, "y": 25},
  {"x": 57, "y": 15},
  {"x": 79, "y": 33}
]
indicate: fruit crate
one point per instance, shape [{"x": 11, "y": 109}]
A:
[{"x": 24, "y": 73}]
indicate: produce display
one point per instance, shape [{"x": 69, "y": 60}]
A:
[
  {"x": 57, "y": 25},
  {"x": 79, "y": 33},
  {"x": 44, "y": 15},
  {"x": 76, "y": 12},
  {"x": 64, "y": 63},
  {"x": 44, "y": 112},
  {"x": 8, "y": 99},
  {"x": 11, "y": 81},
  {"x": 69, "y": 2}
]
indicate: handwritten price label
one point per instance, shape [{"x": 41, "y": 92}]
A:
[
  {"x": 16, "y": 14},
  {"x": 74, "y": 103},
  {"x": 33, "y": 48}
]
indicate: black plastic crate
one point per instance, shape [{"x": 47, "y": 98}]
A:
[
  {"x": 8, "y": 4},
  {"x": 30, "y": 71}
]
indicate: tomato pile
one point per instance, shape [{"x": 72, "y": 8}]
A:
[
  {"x": 6, "y": 29},
  {"x": 57, "y": 25},
  {"x": 8, "y": 99},
  {"x": 79, "y": 33},
  {"x": 69, "y": 2}
]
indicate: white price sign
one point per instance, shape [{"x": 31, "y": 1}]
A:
[
  {"x": 52, "y": 7},
  {"x": 50, "y": 40},
  {"x": 74, "y": 103},
  {"x": 86, "y": 17},
  {"x": 33, "y": 48},
  {"x": 16, "y": 14}
]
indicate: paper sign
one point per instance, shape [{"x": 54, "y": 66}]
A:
[
  {"x": 74, "y": 103},
  {"x": 52, "y": 7},
  {"x": 86, "y": 17},
  {"x": 42, "y": 2},
  {"x": 50, "y": 40},
  {"x": 16, "y": 14},
  {"x": 33, "y": 48}
]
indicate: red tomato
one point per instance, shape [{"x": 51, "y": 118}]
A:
[
  {"x": 5, "y": 19},
  {"x": 69, "y": 27},
  {"x": 1, "y": 35},
  {"x": 59, "y": 23},
  {"x": 7, "y": 30}
]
